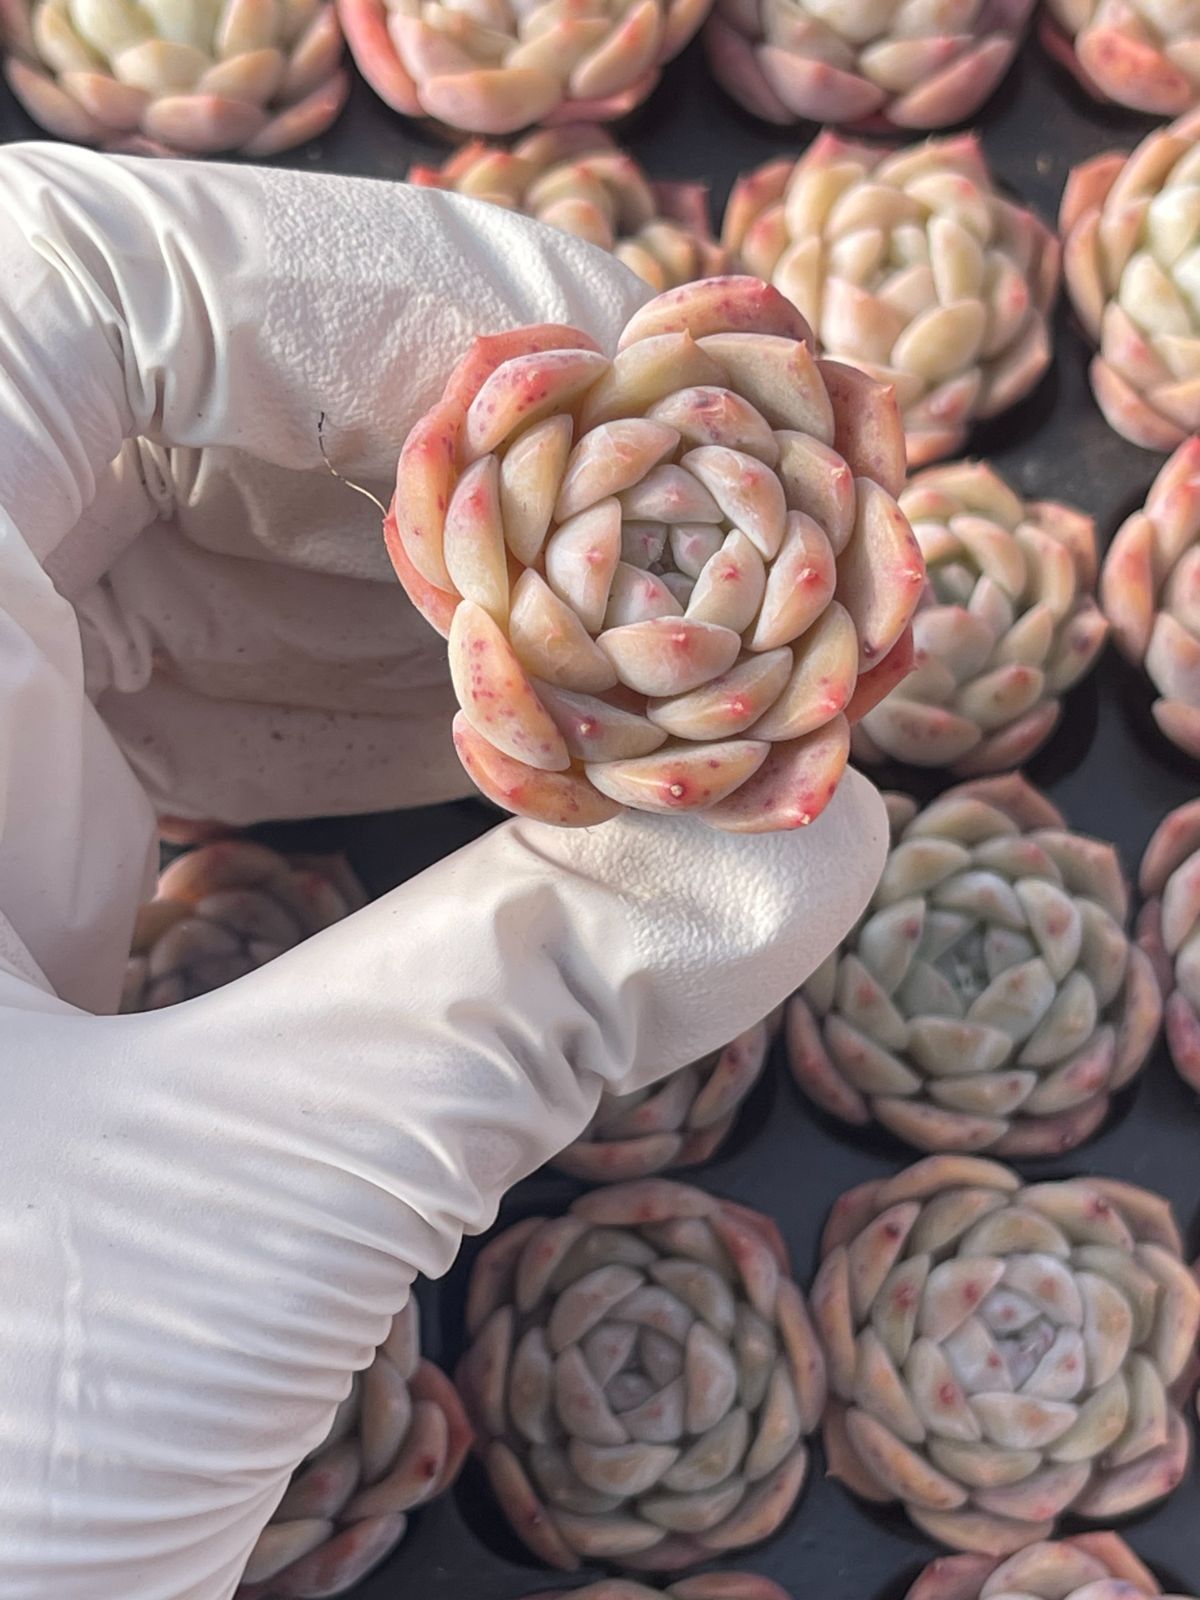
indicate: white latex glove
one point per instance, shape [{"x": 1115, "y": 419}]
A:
[{"x": 208, "y": 1214}]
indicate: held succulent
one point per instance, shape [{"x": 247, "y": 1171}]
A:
[
  {"x": 495, "y": 66},
  {"x": 1090, "y": 1566},
  {"x": 678, "y": 1123},
  {"x": 224, "y": 909},
  {"x": 669, "y": 580},
  {"x": 1131, "y": 226},
  {"x": 990, "y": 998},
  {"x": 643, "y": 1376},
  {"x": 397, "y": 1441},
  {"x": 1169, "y": 930},
  {"x": 1000, "y": 1354},
  {"x": 1144, "y": 54},
  {"x": 912, "y": 266},
  {"x": 1006, "y": 625},
  {"x": 704, "y": 1586},
  {"x": 193, "y": 78},
  {"x": 893, "y": 63},
  {"x": 575, "y": 178},
  {"x": 1150, "y": 591}
]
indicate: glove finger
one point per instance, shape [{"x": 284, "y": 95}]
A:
[{"x": 209, "y": 306}]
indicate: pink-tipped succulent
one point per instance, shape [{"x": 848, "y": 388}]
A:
[
  {"x": 255, "y": 76},
  {"x": 642, "y": 1378},
  {"x": 575, "y": 178},
  {"x": 1144, "y": 54},
  {"x": 990, "y": 998},
  {"x": 910, "y": 265},
  {"x": 704, "y": 1586},
  {"x": 678, "y": 1123},
  {"x": 397, "y": 1442},
  {"x": 224, "y": 909},
  {"x": 1169, "y": 930},
  {"x": 1150, "y": 591},
  {"x": 1000, "y": 1354},
  {"x": 1089, "y": 1566},
  {"x": 1130, "y": 226},
  {"x": 671, "y": 579},
  {"x": 1006, "y": 625},
  {"x": 886, "y": 63},
  {"x": 500, "y": 65}
]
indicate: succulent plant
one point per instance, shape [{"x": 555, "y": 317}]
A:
[
  {"x": 642, "y": 1377},
  {"x": 575, "y": 178},
  {"x": 704, "y": 1586},
  {"x": 1130, "y": 226},
  {"x": 398, "y": 1440},
  {"x": 990, "y": 997},
  {"x": 1169, "y": 930},
  {"x": 890, "y": 63},
  {"x": 194, "y": 78},
  {"x": 1144, "y": 54},
  {"x": 1150, "y": 591},
  {"x": 1002, "y": 1353},
  {"x": 680, "y": 1122},
  {"x": 1090, "y": 1566},
  {"x": 225, "y": 908},
  {"x": 1006, "y": 625},
  {"x": 499, "y": 65},
  {"x": 912, "y": 266},
  {"x": 668, "y": 580}
]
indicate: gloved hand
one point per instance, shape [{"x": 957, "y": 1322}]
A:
[{"x": 210, "y": 1213}]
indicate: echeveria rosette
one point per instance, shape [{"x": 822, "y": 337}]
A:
[
  {"x": 1088, "y": 1566},
  {"x": 1150, "y": 591},
  {"x": 704, "y": 1586},
  {"x": 1007, "y": 624},
  {"x": 642, "y": 1378},
  {"x": 1144, "y": 54},
  {"x": 1001, "y": 1354},
  {"x": 871, "y": 63},
  {"x": 1131, "y": 230},
  {"x": 911, "y": 265},
  {"x": 669, "y": 580},
  {"x": 680, "y": 1122},
  {"x": 1169, "y": 930},
  {"x": 194, "y": 78},
  {"x": 575, "y": 178},
  {"x": 224, "y": 909},
  {"x": 398, "y": 1441},
  {"x": 990, "y": 997},
  {"x": 501, "y": 65}
]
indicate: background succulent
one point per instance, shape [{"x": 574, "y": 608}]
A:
[
  {"x": 1150, "y": 591},
  {"x": 1087, "y": 1567},
  {"x": 1131, "y": 225},
  {"x": 225, "y": 908},
  {"x": 990, "y": 998},
  {"x": 642, "y": 1377},
  {"x": 1144, "y": 54},
  {"x": 1006, "y": 625},
  {"x": 193, "y": 78},
  {"x": 575, "y": 178},
  {"x": 704, "y": 1586},
  {"x": 500, "y": 65},
  {"x": 912, "y": 266},
  {"x": 678, "y": 1123},
  {"x": 668, "y": 580},
  {"x": 1169, "y": 930},
  {"x": 398, "y": 1440},
  {"x": 903, "y": 63},
  {"x": 1002, "y": 1353}
]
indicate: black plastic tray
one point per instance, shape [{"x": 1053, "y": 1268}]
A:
[{"x": 1106, "y": 767}]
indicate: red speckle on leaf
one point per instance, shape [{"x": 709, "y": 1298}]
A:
[{"x": 947, "y": 1394}]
